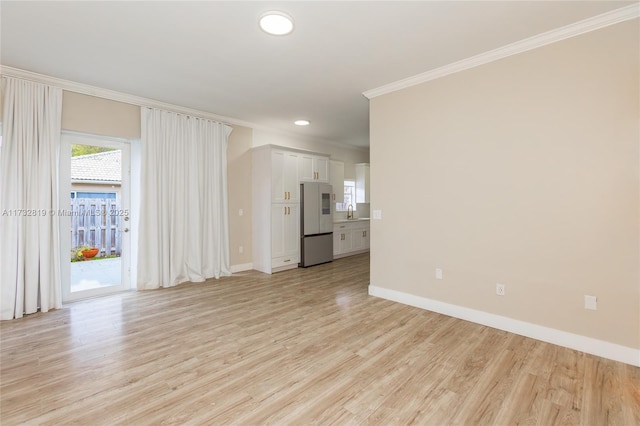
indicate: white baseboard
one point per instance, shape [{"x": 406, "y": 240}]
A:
[
  {"x": 550, "y": 335},
  {"x": 241, "y": 267}
]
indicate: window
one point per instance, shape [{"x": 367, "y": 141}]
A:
[{"x": 349, "y": 196}]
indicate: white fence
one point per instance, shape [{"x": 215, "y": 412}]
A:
[{"x": 95, "y": 222}]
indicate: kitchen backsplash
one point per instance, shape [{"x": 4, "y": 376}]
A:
[{"x": 362, "y": 210}]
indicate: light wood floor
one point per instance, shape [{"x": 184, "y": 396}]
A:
[{"x": 307, "y": 346}]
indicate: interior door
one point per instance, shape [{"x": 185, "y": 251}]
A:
[{"x": 96, "y": 214}]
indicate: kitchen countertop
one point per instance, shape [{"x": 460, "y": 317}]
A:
[{"x": 357, "y": 219}]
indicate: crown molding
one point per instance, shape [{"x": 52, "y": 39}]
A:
[
  {"x": 113, "y": 95},
  {"x": 315, "y": 140},
  {"x": 581, "y": 27},
  {"x": 126, "y": 98}
]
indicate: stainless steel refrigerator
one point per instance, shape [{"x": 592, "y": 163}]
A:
[{"x": 316, "y": 224}]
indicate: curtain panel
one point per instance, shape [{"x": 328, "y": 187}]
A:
[
  {"x": 184, "y": 230},
  {"x": 29, "y": 223}
]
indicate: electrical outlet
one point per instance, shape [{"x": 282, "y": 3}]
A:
[
  {"x": 241, "y": 249},
  {"x": 240, "y": 212},
  {"x": 377, "y": 214},
  {"x": 500, "y": 289},
  {"x": 590, "y": 302},
  {"x": 438, "y": 273}
]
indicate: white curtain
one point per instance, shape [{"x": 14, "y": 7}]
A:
[
  {"x": 29, "y": 224},
  {"x": 184, "y": 231}
]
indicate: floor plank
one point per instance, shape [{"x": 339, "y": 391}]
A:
[{"x": 307, "y": 346}]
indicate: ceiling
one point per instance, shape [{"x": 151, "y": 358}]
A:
[{"x": 212, "y": 56}]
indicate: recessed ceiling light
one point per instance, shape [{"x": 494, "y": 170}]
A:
[
  {"x": 276, "y": 23},
  {"x": 302, "y": 122}
]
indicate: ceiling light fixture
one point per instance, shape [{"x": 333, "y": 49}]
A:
[
  {"x": 302, "y": 122},
  {"x": 276, "y": 23}
]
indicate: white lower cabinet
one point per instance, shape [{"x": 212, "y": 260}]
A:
[
  {"x": 285, "y": 229},
  {"x": 346, "y": 242},
  {"x": 337, "y": 237},
  {"x": 357, "y": 237},
  {"x": 350, "y": 238},
  {"x": 365, "y": 239},
  {"x": 342, "y": 239}
]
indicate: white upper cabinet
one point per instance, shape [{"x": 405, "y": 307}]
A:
[
  {"x": 292, "y": 185},
  {"x": 322, "y": 169},
  {"x": 305, "y": 168},
  {"x": 312, "y": 168},
  {"x": 337, "y": 181},
  {"x": 278, "y": 193},
  {"x": 362, "y": 183},
  {"x": 284, "y": 177}
]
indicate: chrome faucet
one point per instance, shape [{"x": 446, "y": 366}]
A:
[{"x": 349, "y": 211}]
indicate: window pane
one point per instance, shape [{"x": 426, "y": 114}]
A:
[{"x": 349, "y": 196}]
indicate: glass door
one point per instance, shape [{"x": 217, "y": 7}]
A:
[{"x": 96, "y": 220}]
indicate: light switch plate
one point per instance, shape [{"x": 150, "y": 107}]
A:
[
  {"x": 590, "y": 302},
  {"x": 377, "y": 214}
]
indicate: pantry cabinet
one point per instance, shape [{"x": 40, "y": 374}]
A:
[
  {"x": 285, "y": 235},
  {"x": 284, "y": 177},
  {"x": 276, "y": 176}
]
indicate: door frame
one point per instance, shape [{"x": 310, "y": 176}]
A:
[{"x": 67, "y": 139}]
